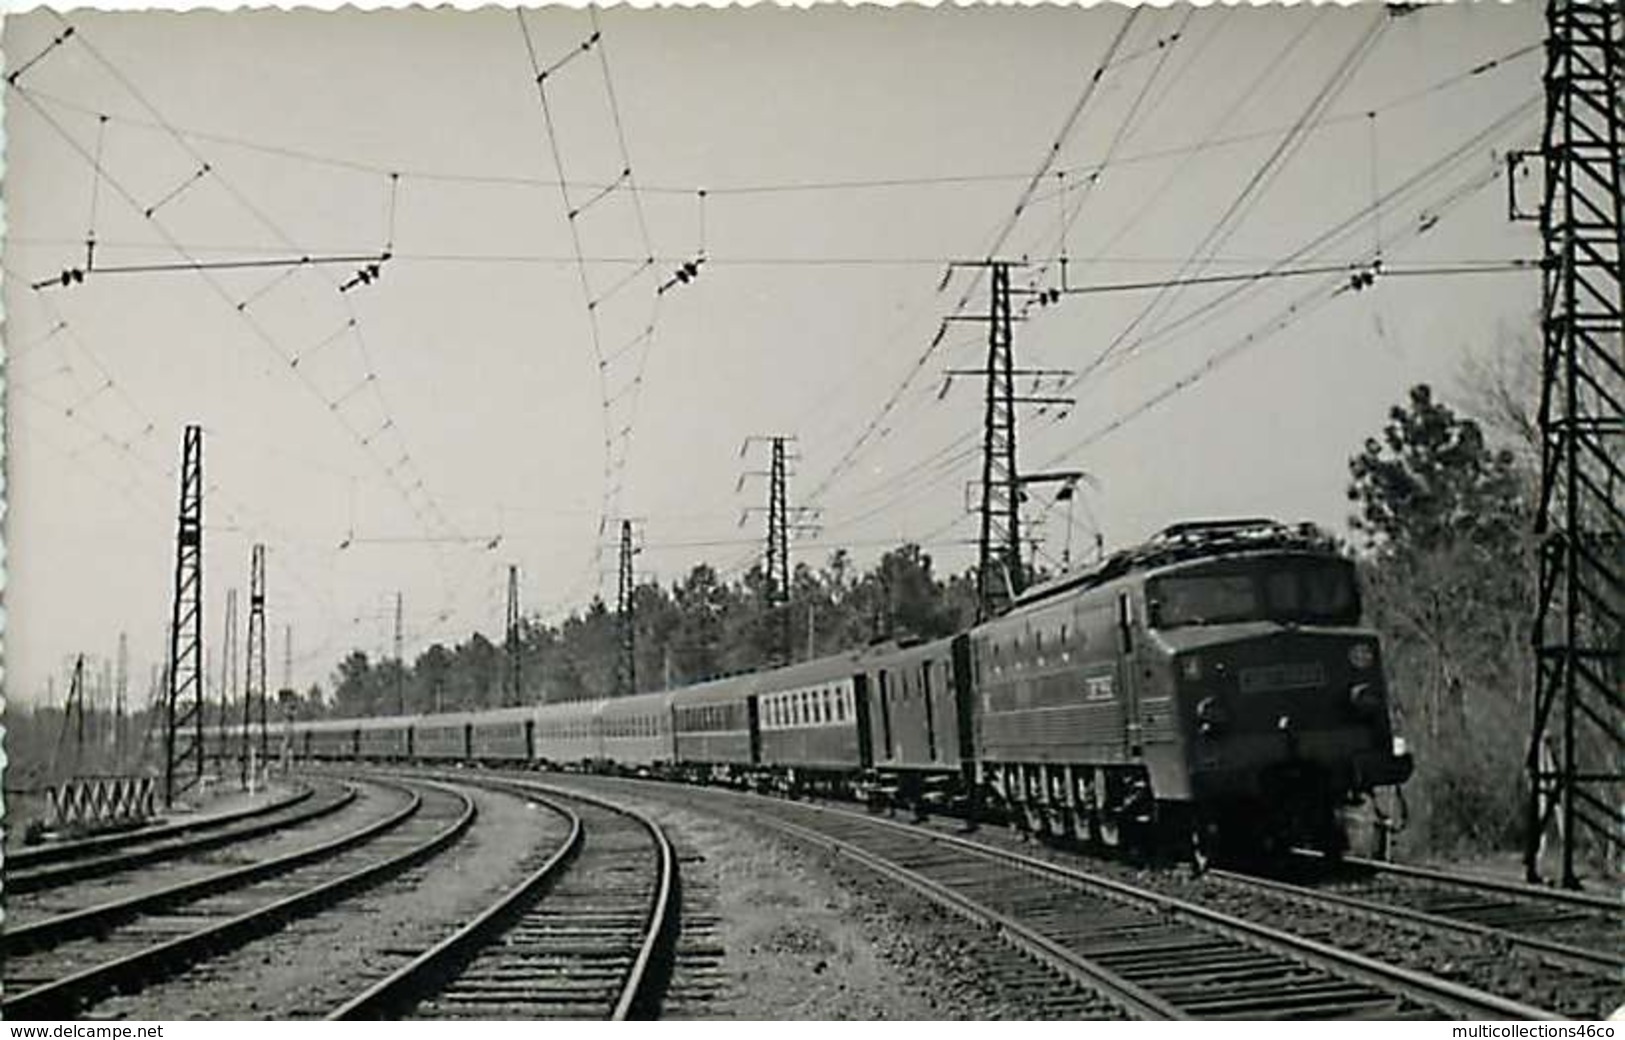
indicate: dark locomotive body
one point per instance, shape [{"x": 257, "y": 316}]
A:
[{"x": 1212, "y": 685}]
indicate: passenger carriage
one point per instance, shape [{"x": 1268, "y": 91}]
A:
[
  {"x": 566, "y": 734},
  {"x": 917, "y": 722},
  {"x": 328, "y": 740},
  {"x": 503, "y": 736},
  {"x": 637, "y": 732},
  {"x": 384, "y": 739},
  {"x": 444, "y": 737},
  {"x": 808, "y": 716},
  {"x": 714, "y": 732}
]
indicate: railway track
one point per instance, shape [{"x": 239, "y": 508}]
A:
[
  {"x": 58, "y": 966},
  {"x": 1580, "y": 927},
  {"x": 1154, "y": 955},
  {"x": 587, "y": 934},
  {"x": 35, "y": 856},
  {"x": 1561, "y": 947},
  {"x": 92, "y": 859}
]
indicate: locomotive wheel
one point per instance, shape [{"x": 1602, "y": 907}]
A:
[
  {"x": 1201, "y": 850},
  {"x": 1108, "y": 831}
]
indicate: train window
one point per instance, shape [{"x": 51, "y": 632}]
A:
[
  {"x": 829, "y": 712},
  {"x": 840, "y": 705}
]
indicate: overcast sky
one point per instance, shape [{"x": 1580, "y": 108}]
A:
[{"x": 467, "y": 410}]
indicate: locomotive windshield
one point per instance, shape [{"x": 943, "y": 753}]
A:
[{"x": 1317, "y": 592}]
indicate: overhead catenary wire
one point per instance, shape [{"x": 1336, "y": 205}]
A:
[
  {"x": 1336, "y": 286},
  {"x": 1045, "y": 165},
  {"x": 1075, "y": 174},
  {"x": 264, "y": 337},
  {"x": 204, "y": 166}
]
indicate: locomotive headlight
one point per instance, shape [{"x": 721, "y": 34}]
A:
[
  {"x": 1362, "y": 656},
  {"x": 1211, "y": 716},
  {"x": 1191, "y": 668},
  {"x": 1366, "y": 699}
]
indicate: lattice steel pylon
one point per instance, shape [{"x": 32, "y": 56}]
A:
[
  {"x": 254, "y": 681},
  {"x": 73, "y": 721},
  {"x": 183, "y": 704},
  {"x": 626, "y": 661},
  {"x": 513, "y": 642},
  {"x": 998, "y": 559},
  {"x": 121, "y": 689},
  {"x": 228, "y": 673},
  {"x": 1577, "y": 745},
  {"x": 778, "y": 553},
  {"x": 400, "y": 655}
]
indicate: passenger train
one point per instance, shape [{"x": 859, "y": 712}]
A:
[{"x": 1211, "y": 690}]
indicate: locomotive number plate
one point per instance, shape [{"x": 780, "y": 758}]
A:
[{"x": 1282, "y": 677}]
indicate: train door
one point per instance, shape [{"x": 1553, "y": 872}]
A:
[
  {"x": 468, "y": 741},
  {"x": 885, "y": 716},
  {"x": 928, "y": 695},
  {"x": 1128, "y": 673},
  {"x": 530, "y": 740},
  {"x": 753, "y": 719},
  {"x": 860, "y": 709},
  {"x": 964, "y": 692}
]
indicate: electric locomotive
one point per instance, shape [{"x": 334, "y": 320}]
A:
[{"x": 1213, "y": 686}]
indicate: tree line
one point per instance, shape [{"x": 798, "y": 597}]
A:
[{"x": 700, "y": 627}]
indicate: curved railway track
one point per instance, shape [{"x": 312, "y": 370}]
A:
[
  {"x": 1582, "y": 927},
  {"x": 1573, "y": 928},
  {"x": 58, "y": 966},
  {"x": 1152, "y": 954},
  {"x": 588, "y": 933},
  {"x": 34, "y": 856},
  {"x": 94, "y": 860}
]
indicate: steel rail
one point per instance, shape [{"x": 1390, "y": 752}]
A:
[
  {"x": 64, "y": 997},
  {"x": 639, "y": 995},
  {"x": 54, "y": 852},
  {"x": 395, "y": 994},
  {"x": 56, "y": 876},
  {"x": 1131, "y": 997},
  {"x": 1588, "y": 900},
  {"x": 59, "y": 929},
  {"x": 1345, "y": 962},
  {"x": 1372, "y": 908}
]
